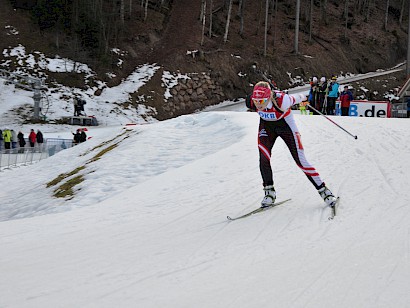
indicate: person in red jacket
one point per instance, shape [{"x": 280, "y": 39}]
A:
[
  {"x": 276, "y": 120},
  {"x": 345, "y": 98},
  {"x": 32, "y": 137}
]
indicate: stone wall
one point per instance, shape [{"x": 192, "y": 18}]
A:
[{"x": 193, "y": 93}]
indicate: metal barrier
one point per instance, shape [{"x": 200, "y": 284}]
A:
[
  {"x": 399, "y": 110},
  {"x": 15, "y": 157}
]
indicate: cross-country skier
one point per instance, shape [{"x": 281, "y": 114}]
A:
[{"x": 276, "y": 120}]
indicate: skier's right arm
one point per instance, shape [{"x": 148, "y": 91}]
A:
[{"x": 249, "y": 104}]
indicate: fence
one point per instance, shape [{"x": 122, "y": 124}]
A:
[
  {"x": 23, "y": 156},
  {"x": 399, "y": 110}
]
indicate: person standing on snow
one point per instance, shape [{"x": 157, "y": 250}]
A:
[
  {"x": 22, "y": 141},
  {"x": 276, "y": 120},
  {"x": 332, "y": 96},
  {"x": 322, "y": 88},
  {"x": 32, "y": 138},
  {"x": 7, "y": 139},
  {"x": 313, "y": 94},
  {"x": 345, "y": 98}
]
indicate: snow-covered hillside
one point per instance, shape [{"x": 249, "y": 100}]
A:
[{"x": 147, "y": 225}]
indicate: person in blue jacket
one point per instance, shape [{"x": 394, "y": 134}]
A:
[{"x": 332, "y": 96}]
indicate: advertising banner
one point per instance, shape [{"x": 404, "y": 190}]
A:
[{"x": 378, "y": 109}]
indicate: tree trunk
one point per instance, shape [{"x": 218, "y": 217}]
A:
[
  {"x": 203, "y": 14},
  {"x": 323, "y": 12},
  {"x": 346, "y": 15},
  {"x": 297, "y": 26},
  {"x": 227, "y": 21},
  {"x": 146, "y": 10},
  {"x": 401, "y": 13},
  {"x": 210, "y": 18},
  {"x": 310, "y": 21},
  {"x": 240, "y": 11},
  {"x": 274, "y": 23},
  {"x": 122, "y": 10},
  {"x": 266, "y": 26},
  {"x": 386, "y": 14}
]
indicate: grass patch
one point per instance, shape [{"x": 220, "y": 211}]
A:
[
  {"x": 66, "y": 189},
  {"x": 104, "y": 143},
  {"x": 101, "y": 153},
  {"x": 63, "y": 176}
]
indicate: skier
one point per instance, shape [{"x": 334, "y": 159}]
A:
[{"x": 276, "y": 120}]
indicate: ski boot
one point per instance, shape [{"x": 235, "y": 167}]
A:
[
  {"x": 270, "y": 196},
  {"x": 327, "y": 196}
]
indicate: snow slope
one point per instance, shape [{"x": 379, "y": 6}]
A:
[{"x": 147, "y": 227}]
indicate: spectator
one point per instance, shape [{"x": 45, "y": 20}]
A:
[
  {"x": 313, "y": 94},
  {"x": 77, "y": 137},
  {"x": 83, "y": 135},
  {"x": 7, "y": 138},
  {"x": 408, "y": 107},
  {"x": 345, "y": 98},
  {"x": 32, "y": 138},
  {"x": 13, "y": 139},
  {"x": 322, "y": 92},
  {"x": 79, "y": 106},
  {"x": 333, "y": 89},
  {"x": 22, "y": 141},
  {"x": 75, "y": 102},
  {"x": 40, "y": 139}
]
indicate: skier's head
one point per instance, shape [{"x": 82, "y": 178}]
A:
[{"x": 262, "y": 95}]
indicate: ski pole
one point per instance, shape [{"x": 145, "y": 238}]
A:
[{"x": 314, "y": 109}]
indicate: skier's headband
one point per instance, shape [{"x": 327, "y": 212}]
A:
[{"x": 261, "y": 96}]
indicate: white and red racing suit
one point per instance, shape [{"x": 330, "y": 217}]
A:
[{"x": 277, "y": 121}]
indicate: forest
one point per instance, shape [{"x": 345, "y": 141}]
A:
[{"x": 286, "y": 38}]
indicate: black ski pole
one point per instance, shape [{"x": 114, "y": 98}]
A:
[{"x": 354, "y": 136}]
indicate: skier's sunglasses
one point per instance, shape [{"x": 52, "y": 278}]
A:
[{"x": 260, "y": 101}]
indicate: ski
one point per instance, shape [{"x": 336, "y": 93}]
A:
[
  {"x": 258, "y": 210},
  {"x": 334, "y": 209}
]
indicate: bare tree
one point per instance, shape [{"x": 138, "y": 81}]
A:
[
  {"x": 266, "y": 26},
  {"x": 401, "y": 13},
  {"x": 210, "y": 18},
  {"x": 275, "y": 17},
  {"x": 310, "y": 21},
  {"x": 203, "y": 16},
  {"x": 323, "y": 12},
  {"x": 202, "y": 13},
  {"x": 386, "y": 15},
  {"x": 228, "y": 21},
  {"x": 122, "y": 12},
  {"x": 297, "y": 26},
  {"x": 346, "y": 15},
  {"x": 240, "y": 13}
]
